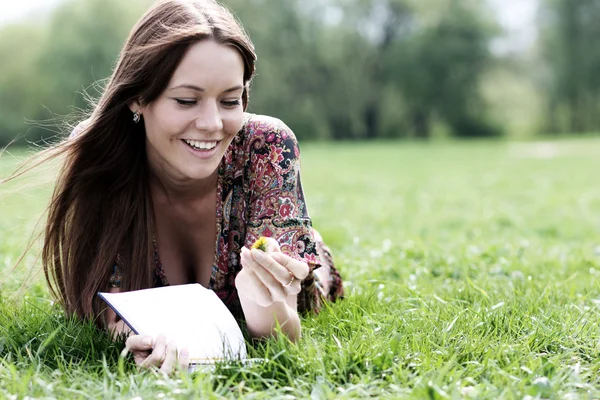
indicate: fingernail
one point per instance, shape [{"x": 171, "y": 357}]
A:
[
  {"x": 259, "y": 255},
  {"x": 147, "y": 341}
]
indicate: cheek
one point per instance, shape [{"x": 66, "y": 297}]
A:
[
  {"x": 233, "y": 123},
  {"x": 161, "y": 121}
]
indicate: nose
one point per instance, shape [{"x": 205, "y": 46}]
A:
[{"x": 209, "y": 118}]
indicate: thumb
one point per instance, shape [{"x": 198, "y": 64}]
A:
[{"x": 139, "y": 343}]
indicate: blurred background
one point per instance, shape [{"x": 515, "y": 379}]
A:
[{"x": 338, "y": 69}]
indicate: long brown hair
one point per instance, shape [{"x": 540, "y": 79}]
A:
[{"x": 101, "y": 205}]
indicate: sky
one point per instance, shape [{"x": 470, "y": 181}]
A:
[
  {"x": 516, "y": 16},
  {"x": 14, "y": 10},
  {"x": 518, "y": 19}
]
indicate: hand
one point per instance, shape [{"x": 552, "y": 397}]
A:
[
  {"x": 162, "y": 355},
  {"x": 268, "y": 277}
]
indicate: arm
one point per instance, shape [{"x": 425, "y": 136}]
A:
[{"x": 276, "y": 209}]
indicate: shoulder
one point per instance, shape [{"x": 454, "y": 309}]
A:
[{"x": 268, "y": 129}]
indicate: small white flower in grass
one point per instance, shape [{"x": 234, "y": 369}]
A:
[
  {"x": 517, "y": 276},
  {"x": 386, "y": 246},
  {"x": 576, "y": 369},
  {"x": 474, "y": 250},
  {"x": 375, "y": 254},
  {"x": 497, "y": 270},
  {"x": 571, "y": 396},
  {"x": 469, "y": 391}
]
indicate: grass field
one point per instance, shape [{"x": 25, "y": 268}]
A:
[{"x": 472, "y": 270}]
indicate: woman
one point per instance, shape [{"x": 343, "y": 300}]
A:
[{"x": 170, "y": 182}]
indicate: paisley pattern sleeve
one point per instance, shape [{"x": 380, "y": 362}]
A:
[{"x": 276, "y": 206}]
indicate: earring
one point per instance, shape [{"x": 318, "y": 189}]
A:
[{"x": 136, "y": 117}]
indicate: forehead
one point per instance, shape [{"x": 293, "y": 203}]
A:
[{"x": 209, "y": 64}]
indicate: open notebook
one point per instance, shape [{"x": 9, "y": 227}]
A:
[{"x": 191, "y": 315}]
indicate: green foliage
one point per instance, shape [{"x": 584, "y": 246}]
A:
[
  {"x": 341, "y": 69},
  {"x": 472, "y": 279},
  {"x": 54, "y": 62},
  {"x": 570, "y": 31},
  {"x": 438, "y": 71}
]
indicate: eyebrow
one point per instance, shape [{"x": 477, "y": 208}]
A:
[{"x": 199, "y": 89}]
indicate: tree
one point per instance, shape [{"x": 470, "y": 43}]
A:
[
  {"x": 53, "y": 63},
  {"x": 570, "y": 31},
  {"x": 439, "y": 68}
]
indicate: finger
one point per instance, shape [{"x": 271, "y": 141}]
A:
[
  {"x": 138, "y": 343},
  {"x": 284, "y": 277},
  {"x": 170, "y": 358},
  {"x": 139, "y": 357},
  {"x": 273, "y": 285},
  {"x": 278, "y": 292},
  {"x": 298, "y": 268},
  {"x": 184, "y": 359},
  {"x": 279, "y": 272},
  {"x": 251, "y": 287},
  {"x": 157, "y": 356}
]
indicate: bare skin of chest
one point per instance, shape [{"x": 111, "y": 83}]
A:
[{"x": 186, "y": 236}]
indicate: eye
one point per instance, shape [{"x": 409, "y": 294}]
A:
[
  {"x": 185, "y": 103},
  {"x": 233, "y": 103}
]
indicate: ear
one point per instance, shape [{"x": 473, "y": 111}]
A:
[{"x": 135, "y": 106}]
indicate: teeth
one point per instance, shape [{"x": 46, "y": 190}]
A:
[{"x": 201, "y": 145}]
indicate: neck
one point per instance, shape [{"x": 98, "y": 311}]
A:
[{"x": 164, "y": 186}]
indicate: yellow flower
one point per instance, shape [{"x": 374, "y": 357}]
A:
[{"x": 260, "y": 244}]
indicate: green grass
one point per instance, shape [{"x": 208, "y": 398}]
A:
[{"x": 472, "y": 270}]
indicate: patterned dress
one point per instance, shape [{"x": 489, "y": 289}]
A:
[{"x": 259, "y": 193}]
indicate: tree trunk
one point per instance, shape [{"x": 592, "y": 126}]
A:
[
  {"x": 372, "y": 120},
  {"x": 420, "y": 122}
]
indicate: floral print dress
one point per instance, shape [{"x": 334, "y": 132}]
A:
[{"x": 259, "y": 193}]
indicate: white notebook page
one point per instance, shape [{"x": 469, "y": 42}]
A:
[{"x": 191, "y": 315}]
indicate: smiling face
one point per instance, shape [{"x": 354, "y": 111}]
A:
[{"x": 191, "y": 124}]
